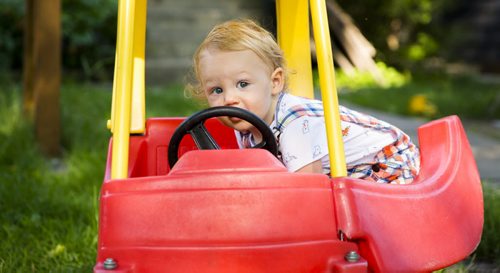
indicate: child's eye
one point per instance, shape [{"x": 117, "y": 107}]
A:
[
  {"x": 242, "y": 84},
  {"x": 217, "y": 90}
]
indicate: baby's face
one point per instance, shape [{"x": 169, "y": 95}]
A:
[{"x": 240, "y": 79}]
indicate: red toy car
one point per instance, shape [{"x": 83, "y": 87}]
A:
[{"x": 231, "y": 210}]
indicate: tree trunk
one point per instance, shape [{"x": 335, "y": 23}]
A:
[{"x": 42, "y": 71}]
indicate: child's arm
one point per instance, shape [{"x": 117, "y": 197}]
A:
[{"x": 313, "y": 167}]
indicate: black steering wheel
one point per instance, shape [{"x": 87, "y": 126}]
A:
[{"x": 194, "y": 125}]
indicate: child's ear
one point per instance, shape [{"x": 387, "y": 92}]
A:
[{"x": 278, "y": 80}]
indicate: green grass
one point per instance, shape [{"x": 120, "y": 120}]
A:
[{"x": 49, "y": 207}]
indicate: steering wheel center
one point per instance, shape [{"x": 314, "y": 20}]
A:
[{"x": 195, "y": 126}]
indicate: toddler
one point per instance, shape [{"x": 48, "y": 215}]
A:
[{"x": 239, "y": 64}]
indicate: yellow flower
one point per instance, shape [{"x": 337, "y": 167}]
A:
[{"x": 419, "y": 104}]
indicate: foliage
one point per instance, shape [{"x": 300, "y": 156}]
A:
[
  {"x": 403, "y": 32},
  {"x": 88, "y": 36},
  {"x": 362, "y": 79},
  {"x": 11, "y": 34}
]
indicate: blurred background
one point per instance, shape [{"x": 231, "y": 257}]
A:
[{"x": 431, "y": 58}]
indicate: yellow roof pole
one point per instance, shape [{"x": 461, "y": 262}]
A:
[
  {"x": 138, "y": 115},
  {"x": 294, "y": 39},
  {"x": 128, "y": 107},
  {"x": 328, "y": 88}
]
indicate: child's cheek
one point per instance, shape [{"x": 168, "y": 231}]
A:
[
  {"x": 210, "y": 101},
  {"x": 210, "y": 98},
  {"x": 214, "y": 101}
]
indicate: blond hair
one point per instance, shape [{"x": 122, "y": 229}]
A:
[{"x": 238, "y": 35}]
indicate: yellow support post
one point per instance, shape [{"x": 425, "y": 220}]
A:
[
  {"x": 128, "y": 112},
  {"x": 122, "y": 94},
  {"x": 138, "y": 119},
  {"x": 138, "y": 110},
  {"x": 328, "y": 88},
  {"x": 294, "y": 39}
]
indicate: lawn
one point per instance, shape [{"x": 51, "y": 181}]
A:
[{"x": 50, "y": 206}]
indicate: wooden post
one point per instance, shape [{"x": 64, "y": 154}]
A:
[{"x": 42, "y": 71}]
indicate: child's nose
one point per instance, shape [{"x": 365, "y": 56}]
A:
[{"x": 230, "y": 98}]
